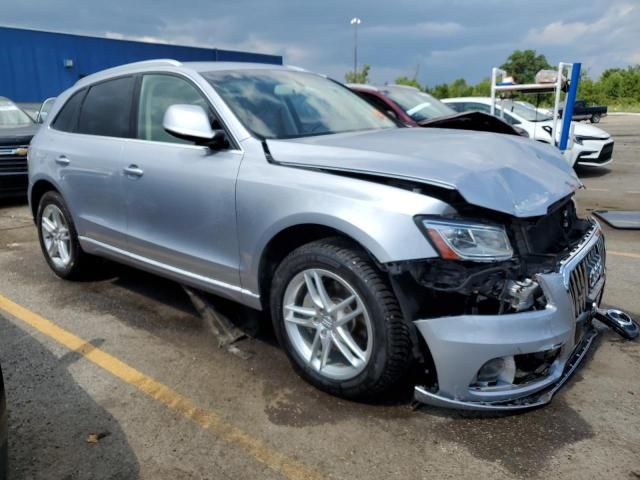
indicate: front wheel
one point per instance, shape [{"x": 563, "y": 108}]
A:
[
  {"x": 338, "y": 320},
  {"x": 59, "y": 239},
  {"x": 595, "y": 118}
]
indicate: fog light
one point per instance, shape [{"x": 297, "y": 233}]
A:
[{"x": 497, "y": 370}]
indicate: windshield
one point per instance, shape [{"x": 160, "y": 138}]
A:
[
  {"x": 12, "y": 116},
  {"x": 291, "y": 104},
  {"x": 527, "y": 111},
  {"x": 417, "y": 104}
]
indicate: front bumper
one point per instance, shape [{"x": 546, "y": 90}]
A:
[
  {"x": 461, "y": 345},
  {"x": 14, "y": 178},
  {"x": 13, "y": 185},
  {"x": 596, "y": 153}
]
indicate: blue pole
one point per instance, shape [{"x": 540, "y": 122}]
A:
[{"x": 567, "y": 115}]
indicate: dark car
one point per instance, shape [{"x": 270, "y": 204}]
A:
[
  {"x": 414, "y": 108},
  {"x": 406, "y": 104},
  {"x": 583, "y": 111},
  {"x": 16, "y": 131},
  {"x": 3, "y": 431}
]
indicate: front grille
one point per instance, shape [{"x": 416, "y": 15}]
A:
[
  {"x": 10, "y": 163},
  {"x": 584, "y": 278}
]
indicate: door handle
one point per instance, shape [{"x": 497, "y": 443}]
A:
[
  {"x": 133, "y": 171},
  {"x": 62, "y": 161}
]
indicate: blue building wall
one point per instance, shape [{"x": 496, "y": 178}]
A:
[{"x": 32, "y": 63}]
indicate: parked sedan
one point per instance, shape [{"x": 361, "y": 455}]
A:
[
  {"x": 16, "y": 130},
  {"x": 591, "y": 146},
  {"x": 375, "y": 248},
  {"x": 407, "y": 104},
  {"x": 414, "y": 108},
  {"x": 3, "y": 431}
]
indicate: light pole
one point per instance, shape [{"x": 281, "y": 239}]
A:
[{"x": 355, "y": 21}]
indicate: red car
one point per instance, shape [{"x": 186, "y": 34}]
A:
[{"x": 415, "y": 108}]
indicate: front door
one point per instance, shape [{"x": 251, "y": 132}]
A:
[{"x": 180, "y": 197}]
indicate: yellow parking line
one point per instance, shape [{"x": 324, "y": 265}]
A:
[
  {"x": 207, "y": 419},
  {"x": 623, "y": 254}
]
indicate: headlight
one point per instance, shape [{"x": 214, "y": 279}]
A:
[{"x": 468, "y": 241}]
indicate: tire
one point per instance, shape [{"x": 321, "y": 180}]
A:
[
  {"x": 595, "y": 118},
  {"x": 378, "y": 331},
  {"x": 76, "y": 263}
]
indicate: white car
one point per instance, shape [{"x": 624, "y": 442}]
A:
[{"x": 592, "y": 146}]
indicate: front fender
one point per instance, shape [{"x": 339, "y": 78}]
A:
[
  {"x": 36, "y": 180},
  {"x": 272, "y": 198}
]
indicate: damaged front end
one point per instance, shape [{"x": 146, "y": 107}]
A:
[{"x": 506, "y": 334}]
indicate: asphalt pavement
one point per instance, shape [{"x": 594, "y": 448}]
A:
[{"x": 119, "y": 378}]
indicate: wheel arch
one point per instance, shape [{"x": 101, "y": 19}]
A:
[
  {"x": 287, "y": 239},
  {"x": 37, "y": 190}
]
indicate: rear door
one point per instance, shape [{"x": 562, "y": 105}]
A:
[
  {"x": 93, "y": 129},
  {"x": 181, "y": 211}
]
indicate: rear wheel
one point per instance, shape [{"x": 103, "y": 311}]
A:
[
  {"x": 595, "y": 118},
  {"x": 59, "y": 239},
  {"x": 338, "y": 321}
]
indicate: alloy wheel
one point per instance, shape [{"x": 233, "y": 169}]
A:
[
  {"x": 56, "y": 236},
  {"x": 328, "y": 324}
]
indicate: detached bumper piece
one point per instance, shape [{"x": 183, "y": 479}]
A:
[
  {"x": 620, "y": 322},
  {"x": 538, "y": 399}
]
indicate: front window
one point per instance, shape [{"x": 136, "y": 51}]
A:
[
  {"x": 417, "y": 104},
  {"x": 290, "y": 104},
  {"x": 12, "y": 116},
  {"x": 157, "y": 93},
  {"x": 527, "y": 111}
]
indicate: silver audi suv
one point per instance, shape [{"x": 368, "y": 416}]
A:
[{"x": 451, "y": 259}]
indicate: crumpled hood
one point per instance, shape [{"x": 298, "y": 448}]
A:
[{"x": 505, "y": 173}]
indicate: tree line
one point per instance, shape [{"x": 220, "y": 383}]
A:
[{"x": 619, "y": 88}]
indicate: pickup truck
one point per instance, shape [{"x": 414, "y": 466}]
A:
[{"x": 582, "y": 111}]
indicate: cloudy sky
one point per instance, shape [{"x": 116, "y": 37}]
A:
[{"x": 447, "y": 39}]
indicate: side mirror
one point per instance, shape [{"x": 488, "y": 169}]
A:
[
  {"x": 191, "y": 122},
  {"x": 43, "y": 113}
]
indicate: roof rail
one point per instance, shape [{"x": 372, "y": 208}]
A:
[{"x": 162, "y": 62}]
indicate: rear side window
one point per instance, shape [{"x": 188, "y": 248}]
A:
[
  {"x": 67, "y": 119},
  {"x": 477, "y": 107},
  {"x": 458, "y": 107},
  {"x": 106, "y": 109}
]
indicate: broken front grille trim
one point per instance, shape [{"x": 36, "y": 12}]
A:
[{"x": 583, "y": 270}]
